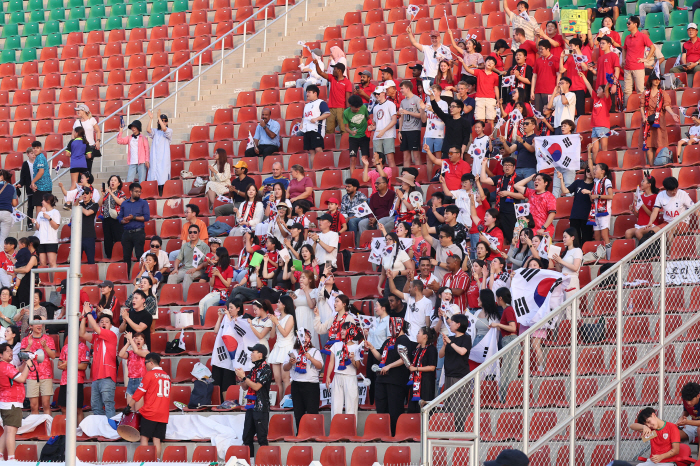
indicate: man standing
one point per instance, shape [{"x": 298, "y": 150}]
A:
[
  {"x": 409, "y": 125},
  {"x": 425, "y": 275},
  {"x": 266, "y": 140},
  {"x": 633, "y": 53},
  {"x": 528, "y": 45},
  {"x": 341, "y": 88},
  {"x": 544, "y": 77},
  {"x": 608, "y": 63},
  {"x": 104, "y": 360},
  {"x": 133, "y": 215},
  {"x": 416, "y": 71},
  {"x": 521, "y": 19},
  {"x": 188, "y": 272},
  {"x": 356, "y": 119},
  {"x": 419, "y": 309},
  {"x": 137, "y": 319},
  {"x": 365, "y": 89},
  {"x": 564, "y": 103},
  {"x": 350, "y": 200},
  {"x": 89, "y": 209},
  {"x": 191, "y": 213},
  {"x": 384, "y": 125},
  {"x": 457, "y": 127},
  {"x": 316, "y": 112},
  {"x": 430, "y": 61},
  {"x": 257, "y": 415},
  {"x": 381, "y": 203},
  {"x": 239, "y": 185},
  {"x": 326, "y": 242},
  {"x": 155, "y": 412},
  {"x": 40, "y": 384},
  {"x": 456, "y": 280},
  {"x": 568, "y": 65},
  {"x": 690, "y": 58},
  {"x": 434, "y": 126},
  {"x": 487, "y": 90},
  {"x": 444, "y": 247},
  {"x": 11, "y": 398},
  {"x": 505, "y": 193},
  {"x": 525, "y": 146}
]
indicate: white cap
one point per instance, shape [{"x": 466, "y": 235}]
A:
[
  {"x": 389, "y": 83},
  {"x": 692, "y": 26},
  {"x": 380, "y": 89}
]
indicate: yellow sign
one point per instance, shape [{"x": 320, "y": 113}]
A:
[{"x": 574, "y": 22}]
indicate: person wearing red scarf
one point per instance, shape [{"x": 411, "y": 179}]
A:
[
  {"x": 393, "y": 375},
  {"x": 423, "y": 365},
  {"x": 345, "y": 359},
  {"x": 304, "y": 364}
]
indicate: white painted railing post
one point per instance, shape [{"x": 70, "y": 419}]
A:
[
  {"x": 618, "y": 364},
  {"x": 265, "y": 33},
  {"x": 244, "y": 44},
  {"x": 153, "y": 98},
  {"x": 177, "y": 85},
  {"x": 662, "y": 327},
  {"x": 306, "y": 10},
  {"x": 199, "y": 77},
  {"x": 221, "y": 74},
  {"x": 572, "y": 402},
  {"x": 526, "y": 395},
  {"x": 102, "y": 135},
  {"x": 286, "y": 16}
]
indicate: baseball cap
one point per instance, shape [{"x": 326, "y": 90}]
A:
[
  {"x": 85, "y": 108},
  {"x": 325, "y": 217},
  {"x": 340, "y": 66},
  {"x": 241, "y": 164},
  {"x": 433, "y": 34},
  {"x": 259, "y": 348},
  {"x": 389, "y": 83},
  {"x": 508, "y": 458},
  {"x": 366, "y": 73},
  {"x": 387, "y": 70},
  {"x": 692, "y": 26},
  {"x": 333, "y": 200},
  {"x": 417, "y": 66},
  {"x": 108, "y": 283},
  {"x": 215, "y": 240},
  {"x": 379, "y": 89}
]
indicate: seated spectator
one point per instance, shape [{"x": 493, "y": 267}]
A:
[
  {"x": 185, "y": 269},
  {"x": 690, "y": 56},
  {"x": 139, "y": 152},
  {"x": 108, "y": 298},
  {"x": 339, "y": 223},
  {"x": 219, "y": 177},
  {"x": 644, "y": 200},
  {"x": 664, "y": 437},
  {"x": 278, "y": 176},
  {"x": 239, "y": 185},
  {"x": 313, "y": 77},
  {"x": 191, "y": 213},
  {"x": 149, "y": 268},
  {"x": 134, "y": 353},
  {"x": 690, "y": 418},
  {"x": 673, "y": 202},
  {"x": 277, "y": 197},
  {"x": 519, "y": 249},
  {"x": 313, "y": 126},
  {"x": 350, "y": 200},
  {"x": 209, "y": 258},
  {"x": 8, "y": 312},
  {"x": 266, "y": 140},
  {"x": 156, "y": 248},
  {"x": 491, "y": 233},
  {"x": 693, "y": 136},
  {"x": 249, "y": 213},
  {"x": 42, "y": 384},
  {"x": 380, "y": 203},
  {"x": 301, "y": 190},
  {"x": 661, "y": 6}
]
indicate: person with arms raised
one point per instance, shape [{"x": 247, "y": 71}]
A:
[{"x": 104, "y": 360}]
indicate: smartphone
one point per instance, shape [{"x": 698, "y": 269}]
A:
[
  {"x": 329, "y": 264},
  {"x": 121, "y": 121},
  {"x": 103, "y": 187}
]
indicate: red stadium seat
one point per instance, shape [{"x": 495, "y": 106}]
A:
[
  {"x": 343, "y": 427},
  {"x": 204, "y": 454},
  {"x": 407, "y": 428},
  {"x": 397, "y": 455},
  {"x": 24, "y": 452},
  {"x": 333, "y": 455},
  {"x": 240, "y": 452},
  {"x": 310, "y": 427}
]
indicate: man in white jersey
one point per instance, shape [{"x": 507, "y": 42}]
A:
[
  {"x": 673, "y": 202},
  {"x": 384, "y": 126},
  {"x": 419, "y": 309},
  {"x": 314, "y": 122},
  {"x": 430, "y": 282},
  {"x": 434, "y": 126}
]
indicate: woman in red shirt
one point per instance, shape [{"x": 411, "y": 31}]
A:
[
  {"x": 644, "y": 200},
  {"x": 220, "y": 281},
  {"x": 490, "y": 231},
  {"x": 474, "y": 285},
  {"x": 501, "y": 46}
]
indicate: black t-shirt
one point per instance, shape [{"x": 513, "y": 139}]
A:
[
  {"x": 505, "y": 206},
  {"x": 526, "y": 159},
  {"x": 524, "y": 89},
  {"x": 427, "y": 388},
  {"x": 241, "y": 185},
  {"x": 141, "y": 317},
  {"x": 401, "y": 313},
  {"x": 89, "y": 220},
  {"x": 460, "y": 233},
  {"x": 397, "y": 375},
  {"x": 581, "y": 207},
  {"x": 456, "y": 365},
  {"x": 432, "y": 220}
]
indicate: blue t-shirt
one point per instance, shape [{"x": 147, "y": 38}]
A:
[
  {"x": 43, "y": 183},
  {"x": 581, "y": 207},
  {"x": 6, "y": 197},
  {"x": 262, "y": 136},
  {"x": 77, "y": 148},
  {"x": 22, "y": 257}
]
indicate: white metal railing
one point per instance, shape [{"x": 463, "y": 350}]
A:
[
  {"x": 191, "y": 61},
  {"x": 607, "y": 322}
]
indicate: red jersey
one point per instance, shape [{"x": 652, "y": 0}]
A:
[
  {"x": 643, "y": 217},
  {"x": 546, "y": 70},
  {"x": 155, "y": 387},
  {"x": 227, "y": 274},
  {"x": 104, "y": 364},
  {"x": 83, "y": 356},
  {"x": 665, "y": 438},
  {"x": 606, "y": 65},
  {"x": 6, "y": 262},
  {"x": 473, "y": 294},
  {"x": 572, "y": 70},
  {"x": 634, "y": 49},
  {"x": 10, "y": 391},
  {"x": 541, "y": 205},
  {"x": 600, "y": 116},
  {"x": 336, "y": 98},
  {"x": 45, "y": 368},
  {"x": 692, "y": 51},
  {"x": 369, "y": 90},
  {"x": 457, "y": 281},
  {"x": 531, "y": 48},
  {"x": 480, "y": 211},
  {"x": 556, "y": 51},
  {"x": 485, "y": 84},
  {"x": 453, "y": 179}
]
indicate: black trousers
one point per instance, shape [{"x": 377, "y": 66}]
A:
[
  {"x": 113, "y": 234},
  {"x": 508, "y": 222},
  {"x": 88, "y": 247},
  {"x": 390, "y": 400},
  {"x": 256, "y": 422},
  {"x": 133, "y": 240},
  {"x": 306, "y": 397},
  {"x": 89, "y": 163},
  {"x": 265, "y": 150},
  {"x": 371, "y": 375},
  {"x": 585, "y": 232},
  {"x": 580, "y": 102}
]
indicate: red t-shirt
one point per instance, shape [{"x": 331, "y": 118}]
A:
[
  {"x": 606, "y": 65},
  {"x": 369, "y": 90},
  {"x": 600, "y": 116},
  {"x": 692, "y": 51},
  {"x": 665, "y": 438},
  {"x": 480, "y": 211},
  {"x": 541, "y": 205},
  {"x": 104, "y": 364},
  {"x": 45, "y": 368},
  {"x": 6, "y": 262},
  {"x": 494, "y": 233},
  {"x": 10, "y": 391},
  {"x": 453, "y": 179},
  {"x": 577, "y": 83},
  {"x": 227, "y": 274},
  {"x": 507, "y": 317},
  {"x": 458, "y": 281},
  {"x": 643, "y": 217},
  {"x": 155, "y": 386},
  {"x": 546, "y": 70},
  {"x": 531, "y": 48},
  {"x": 634, "y": 48},
  {"x": 136, "y": 365},
  {"x": 485, "y": 84},
  {"x": 83, "y": 356},
  {"x": 336, "y": 98},
  {"x": 473, "y": 294},
  {"x": 556, "y": 51}
]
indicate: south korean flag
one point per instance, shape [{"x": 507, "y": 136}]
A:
[
  {"x": 362, "y": 210},
  {"x": 17, "y": 216},
  {"x": 197, "y": 256},
  {"x": 531, "y": 290},
  {"x": 508, "y": 81},
  {"x": 562, "y": 153},
  {"x": 377, "y": 251},
  {"x": 485, "y": 349},
  {"x": 478, "y": 151},
  {"x": 522, "y": 210}
]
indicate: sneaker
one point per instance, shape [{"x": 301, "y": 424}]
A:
[{"x": 30, "y": 224}]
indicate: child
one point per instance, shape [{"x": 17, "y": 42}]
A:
[
  {"x": 83, "y": 361},
  {"x": 664, "y": 437},
  {"x": 487, "y": 88},
  {"x": 600, "y": 116},
  {"x": 693, "y": 135},
  {"x": 567, "y": 127},
  {"x": 139, "y": 152},
  {"x": 690, "y": 419},
  {"x": 210, "y": 258},
  {"x": 514, "y": 130},
  {"x": 80, "y": 152},
  {"x": 22, "y": 258},
  {"x": 545, "y": 125},
  {"x": 135, "y": 365},
  {"x": 339, "y": 223},
  {"x": 7, "y": 262}
]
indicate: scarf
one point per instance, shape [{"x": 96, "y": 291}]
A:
[
  {"x": 350, "y": 335},
  {"x": 543, "y": 129},
  {"x": 646, "y": 126},
  {"x": 248, "y": 211},
  {"x": 302, "y": 360},
  {"x": 333, "y": 334},
  {"x": 251, "y": 394},
  {"x": 395, "y": 326},
  {"x": 415, "y": 377},
  {"x": 335, "y": 223},
  {"x": 523, "y": 71},
  {"x": 599, "y": 207},
  {"x": 499, "y": 188}
]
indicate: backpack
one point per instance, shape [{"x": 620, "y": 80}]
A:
[
  {"x": 55, "y": 450},
  {"x": 218, "y": 229},
  {"x": 201, "y": 393},
  {"x": 663, "y": 157},
  {"x": 173, "y": 347}
]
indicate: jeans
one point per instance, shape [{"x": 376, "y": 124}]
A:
[
  {"x": 5, "y": 224},
  {"x": 182, "y": 277},
  {"x": 363, "y": 226},
  {"x": 88, "y": 247},
  {"x": 569, "y": 177},
  {"x": 657, "y": 7},
  {"x": 264, "y": 149},
  {"x": 133, "y": 169},
  {"x": 113, "y": 234},
  {"x": 212, "y": 299},
  {"x": 354, "y": 225},
  {"x": 133, "y": 240},
  {"x": 103, "y": 395},
  {"x": 239, "y": 275},
  {"x": 173, "y": 255},
  {"x": 524, "y": 173},
  {"x": 473, "y": 240}
]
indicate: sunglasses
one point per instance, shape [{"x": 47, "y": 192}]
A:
[
  {"x": 155, "y": 246},
  {"x": 193, "y": 232}
]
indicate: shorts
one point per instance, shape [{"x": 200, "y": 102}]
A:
[
  {"x": 691, "y": 432},
  {"x": 132, "y": 386},
  {"x": 384, "y": 146},
  {"x": 79, "y": 170},
  {"x": 313, "y": 140},
  {"x": 37, "y": 197},
  {"x": 360, "y": 145},
  {"x": 44, "y": 248},
  {"x": 601, "y": 223},
  {"x": 410, "y": 140},
  {"x": 63, "y": 392},
  {"x": 434, "y": 144},
  {"x": 12, "y": 417},
  {"x": 39, "y": 388},
  {"x": 600, "y": 132},
  {"x": 485, "y": 109},
  {"x": 153, "y": 429}
]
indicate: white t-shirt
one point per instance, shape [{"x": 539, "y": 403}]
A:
[
  {"x": 382, "y": 118},
  {"x": 434, "y": 126},
  {"x": 337, "y": 350},
  {"x": 311, "y": 374},
  {"x": 570, "y": 257},
  {"x": 260, "y": 325},
  {"x": 133, "y": 151},
  {"x": 564, "y": 112},
  {"x": 673, "y": 206},
  {"x": 398, "y": 264},
  {"x": 48, "y": 235},
  {"x": 694, "y": 131},
  {"x": 462, "y": 201},
  {"x": 608, "y": 185},
  {"x": 89, "y": 127},
  {"x": 416, "y": 312},
  {"x": 330, "y": 239},
  {"x": 430, "y": 62},
  {"x": 314, "y": 110}
]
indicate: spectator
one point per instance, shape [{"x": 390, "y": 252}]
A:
[
  {"x": 384, "y": 125},
  {"x": 340, "y": 91},
  {"x": 12, "y": 393},
  {"x": 89, "y": 125},
  {"x": 410, "y": 125},
  {"x": 423, "y": 369},
  {"x": 457, "y": 167},
  {"x": 85, "y": 181},
  {"x": 238, "y": 187},
  {"x": 673, "y": 202},
  {"x": 446, "y": 80},
  {"x": 636, "y": 44},
  {"x": 608, "y": 63},
  {"x": 416, "y": 71},
  {"x": 690, "y": 58},
  {"x": 544, "y": 75},
  {"x": 381, "y": 203},
  {"x": 409, "y": 198},
  {"x": 8, "y": 200},
  {"x": 111, "y": 203},
  {"x": 185, "y": 269},
  {"x": 380, "y": 170},
  {"x": 545, "y": 124},
  {"x": 303, "y": 366},
  {"x": 48, "y": 221},
  {"x": 345, "y": 358},
  {"x": 551, "y": 35},
  {"x": 22, "y": 317},
  {"x": 522, "y": 71},
  {"x": 444, "y": 247},
  {"x": 351, "y": 199},
  {"x": 457, "y": 127},
  {"x": 487, "y": 90},
  {"x": 275, "y": 219},
  {"x": 601, "y": 201},
  {"x": 420, "y": 248},
  {"x": 581, "y": 207},
  {"x": 664, "y": 6},
  {"x": 529, "y": 46},
  {"x": 133, "y": 214},
  {"x": 664, "y": 437},
  {"x": 135, "y": 316},
  {"x": 497, "y": 277},
  {"x": 300, "y": 191},
  {"x": 644, "y": 200},
  {"x": 191, "y": 213},
  {"x": 310, "y": 67},
  {"x": 500, "y": 55},
  {"x": 40, "y": 384},
  {"x": 508, "y": 326},
  {"x": 156, "y": 248},
  {"x": 688, "y": 422},
  {"x": 570, "y": 261},
  {"x": 525, "y": 147},
  {"x": 134, "y": 353},
  {"x": 600, "y": 116},
  {"x": 277, "y": 177},
  {"x": 41, "y": 176},
  {"x": 89, "y": 212},
  {"x": 430, "y": 61},
  {"x": 108, "y": 299},
  {"x": 83, "y": 363},
  {"x": 8, "y": 312},
  {"x": 355, "y": 119},
  {"x": 424, "y": 273},
  {"x": 139, "y": 152},
  {"x": 397, "y": 308},
  {"x": 564, "y": 103},
  {"x": 491, "y": 234},
  {"x": 266, "y": 140},
  {"x": 316, "y": 112},
  {"x": 466, "y": 93},
  {"x": 149, "y": 268},
  {"x": 513, "y": 458},
  {"x": 471, "y": 58},
  {"x": 286, "y": 331},
  {"x": 543, "y": 204},
  {"x": 485, "y": 315},
  {"x": 219, "y": 178},
  {"x": 337, "y": 56},
  {"x": 21, "y": 297},
  {"x": 457, "y": 281},
  {"x": 604, "y": 9},
  {"x": 7, "y": 261},
  {"x": 435, "y": 127},
  {"x": 520, "y": 248},
  {"x": 575, "y": 72},
  {"x": 365, "y": 89},
  {"x": 326, "y": 242},
  {"x": 656, "y": 104},
  {"x": 257, "y": 383},
  {"x": 455, "y": 350},
  {"x": 223, "y": 376},
  {"x": 26, "y": 177},
  {"x": 249, "y": 214},
  {"x": 305, "y": 296},
  {"x": 220, "y": 281},
  {"x": 262, "y": 324},
  {"x": 693, "y": 136},
  {"x": 159, "y": 170},
  {"x": 520, "y": 19},
  {"x": 396, "y": 266}
]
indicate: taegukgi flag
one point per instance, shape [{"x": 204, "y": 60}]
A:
[{"x": 559, "y": 152}]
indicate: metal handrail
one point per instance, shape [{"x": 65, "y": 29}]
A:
[{"x": 198, "y": 55}]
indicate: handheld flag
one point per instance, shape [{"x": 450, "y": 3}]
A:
[
  {"x": 508, "y": 81},
  {"x": 657, "y": 69},
  {"x": 537, "y": 114},
  {"x": 197, "y": 256},
  {"x": 17, "y": 216},
  {"x": 362, "y": 210},
  {"x": 445, "y": 167},
  {"x": 224, "y": 199},
  {"x": 413, "y": 11},
  {"x": 559, "y": 152},
  {"x": 578, "y": 59},
  {"x": 181, "y": 343},
  {"x": 250, "y": 144},
  {"x": 522, "y": 210}
]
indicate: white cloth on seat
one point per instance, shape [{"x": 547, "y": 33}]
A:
[{"x": 33, "y": 421}]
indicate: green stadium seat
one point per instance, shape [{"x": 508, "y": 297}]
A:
[
  {"x": 568, "y": 4},
  {"x": 621, "y": 23},
  {"x": 77, "y": 12},
  {"x": 92, "y": 3},
  {"x": 75, "y": 3},
  {"x": 623, "y": 36},
  {"x": 639, "y": 2},
  {"x": 55, "y": 4},
  {"x": 671, "y": 49},
  {"x": 55, "y": 39},
  {"x": 97, "y": 11},
  {"x": 678, "y": 18},
  {"x": 7, "y": 56},
  {"x": 138, "y": 9},
  {"x": 71, "y": 25},
  {"x": 156, "y": 20},
  {"x": 57, "y": 14},
  {"x": 10, "y": 30},
  {"x": 134, "y": 22},
  {"x": 37, "y": 16},
  {"x": 16, "y": 17},
  {"x": 34, "y": 41},
  {"x": 30, "y": 29},
  {"x": 657, "y": 34},
  {"x": 597, "y": 24},
  {"x": 679, "y": 34},
  {"x": 115, "y": 2},
  {"x": 118, "y": 10},
  {"x": 51, "y": 27},
  {"x": 35, "y": 5},
  {"x": 180, "y": 5},
  {"x": 93, "y": 24},
  {"x": 15, "y": 5},
  {"x": 13, "y": 42},
  {"x": 159, "y": 6},
  {"x": 114, "y": 22},
  {"x": 27, "y": 54},
  {"x": 654, "y": 20},
  {"x": 696, "y": 17}
]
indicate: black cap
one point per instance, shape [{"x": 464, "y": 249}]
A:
[
  {"x": 509, "y": 458},
  {"x": 325, "y": 217},
  {"x": 387, "y": 69},
  {"x": 417, "y": 66},
  {"x": 64, "y": 284},
  {"x": 340, "y": 66},
  {"x": 260, "y": 348}
]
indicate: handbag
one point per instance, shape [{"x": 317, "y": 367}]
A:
[
  {"x": 111, "y": 204},
  {"x": 94, "y": 152}
]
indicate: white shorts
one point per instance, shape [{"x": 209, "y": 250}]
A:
[
  {"x": 601, "y": 223},
  {"x": 691, "y": 432},
  {"x": 485, "y": 109}
]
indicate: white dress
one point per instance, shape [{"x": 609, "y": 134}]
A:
[
  {"x": 304, "y": 313},
  {"x": 283, "y": 345},
  {"x": 159, "y": 170},
  {"x": 220, "y": 181}
]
